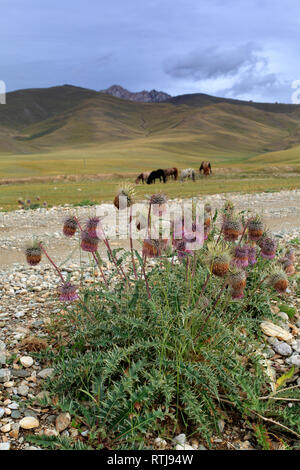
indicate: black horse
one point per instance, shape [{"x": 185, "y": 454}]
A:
[{"x": 156, "y": 174}]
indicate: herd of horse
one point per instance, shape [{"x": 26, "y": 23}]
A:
[{"x": 164, "y": 174}]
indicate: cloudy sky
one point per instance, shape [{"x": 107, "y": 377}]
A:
[{"x": 246, "y": 49}]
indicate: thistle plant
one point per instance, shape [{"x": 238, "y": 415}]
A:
[
  {"x": 255, "y": 228},
  {"x": 218, "y": 259},
  {"x": 70, "y": 226},
  {"x": 125, "y": 195},
  {"x": 231, "y": 228}
]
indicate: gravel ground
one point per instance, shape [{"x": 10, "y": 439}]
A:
[{"x": 28, "y": 301}]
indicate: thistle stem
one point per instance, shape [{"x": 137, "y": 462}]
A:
[
  {"x": 53, "y": 264},
  {"x": 212, "y": 308},
  {"x": 131, "y": 243},
  {"x": 203, "y": 289}
]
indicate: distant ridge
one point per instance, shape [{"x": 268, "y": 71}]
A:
[{"x": 144, "y": 96}]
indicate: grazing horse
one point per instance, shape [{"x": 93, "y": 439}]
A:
[
  {"x": 142, "y": 177},
  {"x": 173, "y": 172},
  {"x": 156, "y": 174},
  {"x": 206, "y": 167},
  {"x": 187, "y": 173}
]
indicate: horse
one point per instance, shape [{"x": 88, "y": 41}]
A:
[
  {"x": 173, "y": 172},
  {"x": 187, "y": 173},
  {"x": 206, "y": 167},
  {"x": 142, "y": 177},
  {"x": 156, "y": 174}
]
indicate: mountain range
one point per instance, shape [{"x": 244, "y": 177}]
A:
[
  {"x": 152, "y": 96},
  {"x": 70, "y": 120}
]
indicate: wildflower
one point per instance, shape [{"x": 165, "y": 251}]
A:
[
  {"x": 125, "y": 196},
  {"x": 290, "y": 254},
  {"x": 288, "y": 266},
  {"x": 68, "y": 292},
  {"x": 252, "y": 255},
  {"x": 255, "y": 229},
  {"x": 241, "y": 256},
  {"x": 237, "y": 293},
  {"x": 88, "y": 243},
  {"x": 45, "y": 204},
  {"x": 219, "y": 260},
  {"x": 180, "y": 247},
  {"x": 193, "y": 240},
  {"x": 159, "y": 204},
  {"x": 70, "y": 226},
  {"x": 92, "y": 227},
  {"x": 278, "y": 280},
  {"x": 232, "y": 228},
  {"x": 28, "y": 202},
  {"x": 152, "y": 248},
  {"x": 33, "y": 254},
  {"x": 237, "y": 278},
  {"x": 268, "y": 248}
]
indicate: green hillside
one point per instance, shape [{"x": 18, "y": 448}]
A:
[{"x": 72, "y": 130}]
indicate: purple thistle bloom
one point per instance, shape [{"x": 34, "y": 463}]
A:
[
  {"x": 252, "y": 255},
  {"x": 88, "y": 243},
  {"x": 268, "y": 248},
  {"x": 241, "y": 256},
  {"x": 68, "y": 292},
  {"x": 92, "y": 227}
]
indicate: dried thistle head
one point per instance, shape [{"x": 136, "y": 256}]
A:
[
  {"x": 290, "y": 254},
  {"x": 70, "y": 226},
  {"x": 34, "y": 253},
  {"x": 278, "y": 280},
  {"x": 159, "y": 203},
  {"x": 255, "y": 228},
  {"x": 218, "y": 259},
  {"x": 125, "y": 196},
  {"x": 232, "y": 228},
  {"x": 288, "y": 266},
  {"x": 237, "y": 278},
  {"x": 153, "y": 248}
]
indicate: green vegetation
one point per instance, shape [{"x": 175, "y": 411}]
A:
[{"x": 176, "y": 349}]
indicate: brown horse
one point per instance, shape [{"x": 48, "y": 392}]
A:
[
  {"x": 206, "y": 167},
  {"x": 172, "y": 172},
  {"x": 142, "y": 177}
]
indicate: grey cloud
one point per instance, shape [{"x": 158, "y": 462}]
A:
[{"x": 212, "y": 63}]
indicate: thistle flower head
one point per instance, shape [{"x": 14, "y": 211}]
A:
[
  {"x": 241, "y": 256},
  {"x": 232, "y": 228},
  {"x": 92, "y": 227},
  {"x": 159, "y": 202},
  {"x": 252, "y": 255},
  {"x": 255, "y": 228},
  {"x": 180, "y": 247},
  {"x": 268, "y": 248},
  {"x": 237, "y": 278},
  {"x": 125, "y": 196},
  {"x": 70, "y": 226},
  {"x": 218, "y": 259},
  {"x": 33, "y": 254},
  {"x": 288, "y": 266},
  {"x": 88, "y": 243},
  {"x": 68, "y": 292},
  {"x": 237, "y": 293},
  {"x": 153, "y": 248},
  {"x": 278, "y": 280},
  {"x": 290, "y": 254}
]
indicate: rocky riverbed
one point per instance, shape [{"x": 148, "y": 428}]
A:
[{"x": 29, "y": 303}]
